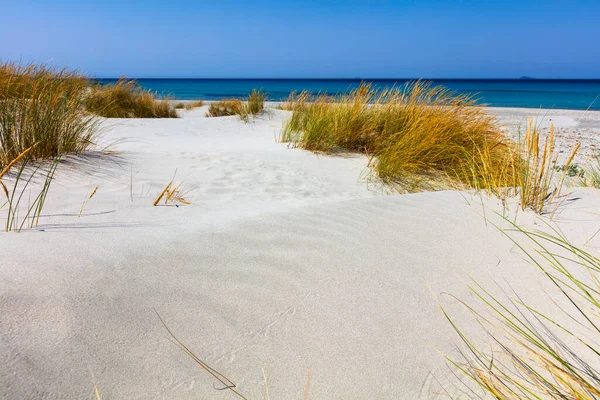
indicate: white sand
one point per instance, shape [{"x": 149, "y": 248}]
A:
[
  {"x": 285, "y": 263},
  {"x": 571, "y": 127}
]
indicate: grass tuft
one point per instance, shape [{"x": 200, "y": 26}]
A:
[
  {"x": 254, "y": 106},
  {"x": 42, "y": 106},
  {"x": 533, "y": 355},
  {"x": 172, "y": 194},
  {"x": 591, "y": 173},
  {"x": 194, "y": 104},
  {"x": 295, "y": 100},
  {"x": 256, "y": 102},
  {"x": 225, "y": 108},
  {"x": 536, "y": 167},
  {"x": 125, "y": 99},
  {"x": 418, "y": 136},
  {"x": 25, "y": 175}
]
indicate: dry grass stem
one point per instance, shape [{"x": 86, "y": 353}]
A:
[{"x": 86, "y": 201}]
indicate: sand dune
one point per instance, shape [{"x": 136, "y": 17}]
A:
[{"x": 286, "y": 264}]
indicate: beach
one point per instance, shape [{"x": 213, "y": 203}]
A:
[{"x": 293, "y": 273}]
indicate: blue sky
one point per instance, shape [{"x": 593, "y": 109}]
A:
[{"x": 306, "y": 38}]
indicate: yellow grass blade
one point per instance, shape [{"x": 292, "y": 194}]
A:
[
  {"x": 16, "y": 160},
  {"x": 86, "y": 201}
]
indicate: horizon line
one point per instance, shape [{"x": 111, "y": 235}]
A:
[{"x": 354, "y": 78}]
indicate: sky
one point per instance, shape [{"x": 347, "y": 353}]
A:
[{"x": 306, "y": 38}]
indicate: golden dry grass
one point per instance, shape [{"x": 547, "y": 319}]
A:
[
  {"x": 418, "y": 137},
  {"x": 195, "y": 104},
  {"x": 295, "y": 100},
  {"x": 125, "y": 99},
  {"x": 86, "y": 201},
  {"x": 24, "y": 80},
  {"x": 533, "y": 355},
  {"x": 225, "y": 108},
  {"x": 591, "y": 173},
  {"x": 42, "y": 106},
  {"x": 537, "y": 165},
  {"x": 256, "y": 102},
  {"x": 172, "y": 194}
]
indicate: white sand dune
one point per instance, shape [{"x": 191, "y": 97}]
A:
[{"x": 286, "y": 264}]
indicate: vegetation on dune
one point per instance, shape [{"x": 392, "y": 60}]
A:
[
  {"x": 256, "y": 102},
  {"x": 25, "y": 174},
  {"x": 42, "y": 116},
  {"x": 295, "y": 100},
  {"x": 534, "y": 355},
  {"x": 225, "y": 108},
  {"x": 424, "y": 137},
  {"x": 254, "y": 106},
  {"x": 416, "y": 135},
  {"x": 590, "y": 175},
  {"x": 125, "y": 99},
  {"x": 189, "y": 106},
  {"x": 24, "y": 80},
  {"x": 195, "y": 104},
  {"x": 42, "y": 109},
  {"x": 536, "y": 168}
]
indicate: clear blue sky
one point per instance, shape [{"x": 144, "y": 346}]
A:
[{"x": 307, "y": 38}]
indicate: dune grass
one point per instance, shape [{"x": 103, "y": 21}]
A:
[
  {"x": 227, "y": 107},
  {"x": 591, "y": 173},
  {"x": 537, "y": 166},
  {"x": 42, "y": 116},
  {"x": 24, "y": 176},
  {"x": 125, "y": 99},
  {"x": 87, "y": 199},
  {"x": 24, "y": 80},
  {"x": 423, "y": 137},
  {"x": 295, "y": 101},
  {"x": 172, "y": 194},
  {"x": 195, "y": 104},
  {"x": 533, "y": 355},
  {"x": 43, "y": 107},
  {"x": 189, "y": 106},
  {"x": 418, "y": 136},
  {"x": 256, "y": 102}
]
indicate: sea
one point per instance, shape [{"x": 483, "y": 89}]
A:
[{"x": 580, "y": 94}]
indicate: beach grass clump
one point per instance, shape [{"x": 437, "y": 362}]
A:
[
  {"x": 533, "y": 355},
  {"x": 254, "y": 106},
  {"x": 537, "y": 167},
  {"x": 125, "y": 99},
  {"x": 251, "y": 108},
  {"x": 172, "y": 194},
  {"x": 180, "y": 106},
  {"x": 24, "y": 80},
  {"x": 225, "y": 108},
  {"x": 24, "y": 176},
  {"x": 591, "y": 173},
  {"x": 195, "y": 104},
  {"x": 418, "y": 136},
  {"x": 256, "y": 102},
  {"x": 41, "y": 109},
  {"x": 295, "y": 100}
]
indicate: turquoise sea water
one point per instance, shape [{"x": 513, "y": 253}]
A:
[{"x": 530, "y": 93}]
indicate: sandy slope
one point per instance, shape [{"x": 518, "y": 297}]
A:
[{"x": 285, "y": 263}]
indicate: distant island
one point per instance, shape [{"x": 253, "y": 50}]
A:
[{"x": 527, "y": 78}]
